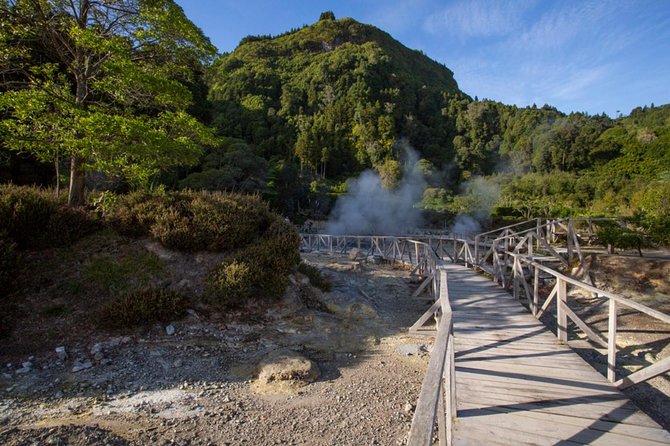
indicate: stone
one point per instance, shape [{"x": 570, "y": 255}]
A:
[
  {"x": 184, "y": 283},
  {"x": 409, "y": 407},
  {"x": 408, "y": 349},
  {"x": 27, "y": 365},
  {"x": 80, "y": 365},
  {"x": 61, "y": 353},
  {"x": 170, "y": 330},
  {"x": 288, "y": 367}
]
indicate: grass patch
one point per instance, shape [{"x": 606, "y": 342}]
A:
[{"x": 121, "y": 274}]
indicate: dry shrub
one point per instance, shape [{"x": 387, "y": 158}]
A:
[
  {"x": 34, "y": 218},
  {"x": 140, "y": 307},
  {"x": 259, "y": 270},
  {"x": 7, "y": 262},
  {"x": 192, "y": 221},
  {"x": 316, "y": 278}
]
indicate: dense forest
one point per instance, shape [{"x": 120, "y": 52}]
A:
[{"x": 139, "y": 100}]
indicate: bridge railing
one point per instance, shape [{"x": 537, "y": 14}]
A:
[
  {"x": 437, "y": 398},
  {"x": 524, "y": 266}
]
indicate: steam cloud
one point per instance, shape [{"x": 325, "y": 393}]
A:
[
  {"x": 484, "y": 194},
  {"x": 369, "y": 208}
]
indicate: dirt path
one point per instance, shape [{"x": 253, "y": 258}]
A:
[{"x": 198, "y": 386}]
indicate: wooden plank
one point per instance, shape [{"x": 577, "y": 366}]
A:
[
  {"x": 471, "y": 404},
  {"x": 424, "y": 284},
  {"x": 628, "y": 429},
  {"x": 658, "y": 368},
  {"x": 584, "y": 433}
]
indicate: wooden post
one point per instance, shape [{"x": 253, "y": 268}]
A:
[
  {"x": 455, "y": 250},
  {"x": 571, "y": 230},
  {"x": 516, "y": 278},
  {"x": 536, "y": 290},
  {"x": 611, "y": 342},
  {"x": 561, "y": 316},
  {"x": 476, "y": 260},
  {"x": 442, "y": 420}
]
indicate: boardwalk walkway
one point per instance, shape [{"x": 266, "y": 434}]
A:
[{"x": 515, "y": 384}]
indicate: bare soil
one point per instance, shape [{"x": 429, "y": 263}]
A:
[{"x": 199, "y": 387}]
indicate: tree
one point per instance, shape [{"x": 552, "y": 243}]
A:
[{"x": 103, "y": 83}]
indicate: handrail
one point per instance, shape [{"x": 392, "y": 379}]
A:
[
  {"x": 508, "y": 261},
  {"x": 563, "y": 312},
  {"x": 437, "y": 398}
]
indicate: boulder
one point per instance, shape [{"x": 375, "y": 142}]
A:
[{"x": 285, "y": 370}]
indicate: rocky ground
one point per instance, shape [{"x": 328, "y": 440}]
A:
[
  {"x": 334, "y": 368},
  {"x": 317, "y": 368}
]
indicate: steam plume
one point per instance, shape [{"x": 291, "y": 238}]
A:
[{"x": 369, "y": 208}]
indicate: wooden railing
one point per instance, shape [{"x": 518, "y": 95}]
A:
[
  {"x": 437, "y": 399},
  {"x": 510, "y": 255},
  {"x": 559, "y": 293}
]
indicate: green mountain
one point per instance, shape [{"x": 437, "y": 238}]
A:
[{"x": 335, "y": 95}]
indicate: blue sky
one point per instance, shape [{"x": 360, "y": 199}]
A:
[{"x": 577, "y": 55}]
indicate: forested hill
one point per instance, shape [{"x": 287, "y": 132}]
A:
[
  {"x": 335, "y": 94},
  {"x": 292, "y": 117},
  {"x": 317, "y": 105}
]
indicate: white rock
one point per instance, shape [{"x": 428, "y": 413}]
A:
[
  {"x": 170, "y": 330},
  {"x": 61, "y": 353}
]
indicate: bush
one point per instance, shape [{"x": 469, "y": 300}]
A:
[
  {"x": 135, "y": 213},
  {"x": 260, "y": 269},
  {"x": 7, "y": 262},
  {"x": 192, "y": 221},
  {"x": 316, "y": 278},
  {"x": 611, "y": 233},
  {"x": 142, "y": 307},
  {"x": 33, "y": 218}
]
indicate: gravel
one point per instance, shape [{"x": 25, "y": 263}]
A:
[{"x": 197, "y": 385}]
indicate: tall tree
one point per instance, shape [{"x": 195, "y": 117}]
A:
[{"x": 101, "y": 82}]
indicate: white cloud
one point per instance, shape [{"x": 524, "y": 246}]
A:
[{"x": 478, "y": 18}]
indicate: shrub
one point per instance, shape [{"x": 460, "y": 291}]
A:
[
  {"x": 192, "y": 221},
  {"x": 316, "y": 278},
  {"x": 135, "y": 213},
  {"x": 24, "y": 214},
  {"x": 33, "y": 218},
  {"x": 7, "y": 262},
  {"x": 260, "y": 269},
  {"x": 141, "y": 307},
  {"x": 611, "y": 233}
]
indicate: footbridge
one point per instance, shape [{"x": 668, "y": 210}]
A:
[{"x": 497, "y": 375}]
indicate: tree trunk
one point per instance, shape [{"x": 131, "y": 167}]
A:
[{"x": 77, "y": 183}]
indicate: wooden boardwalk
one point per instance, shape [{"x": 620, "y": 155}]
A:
[{"x": 517, "y": 385}]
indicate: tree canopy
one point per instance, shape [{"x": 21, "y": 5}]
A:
[{"x": 101, "y": 83}]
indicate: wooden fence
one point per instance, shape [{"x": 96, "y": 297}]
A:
[{"x": 513, "y": 256}]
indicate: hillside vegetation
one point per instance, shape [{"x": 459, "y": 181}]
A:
[
  {"x": 293, "y": 117},
  {"x": 90, "y": 269}
]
